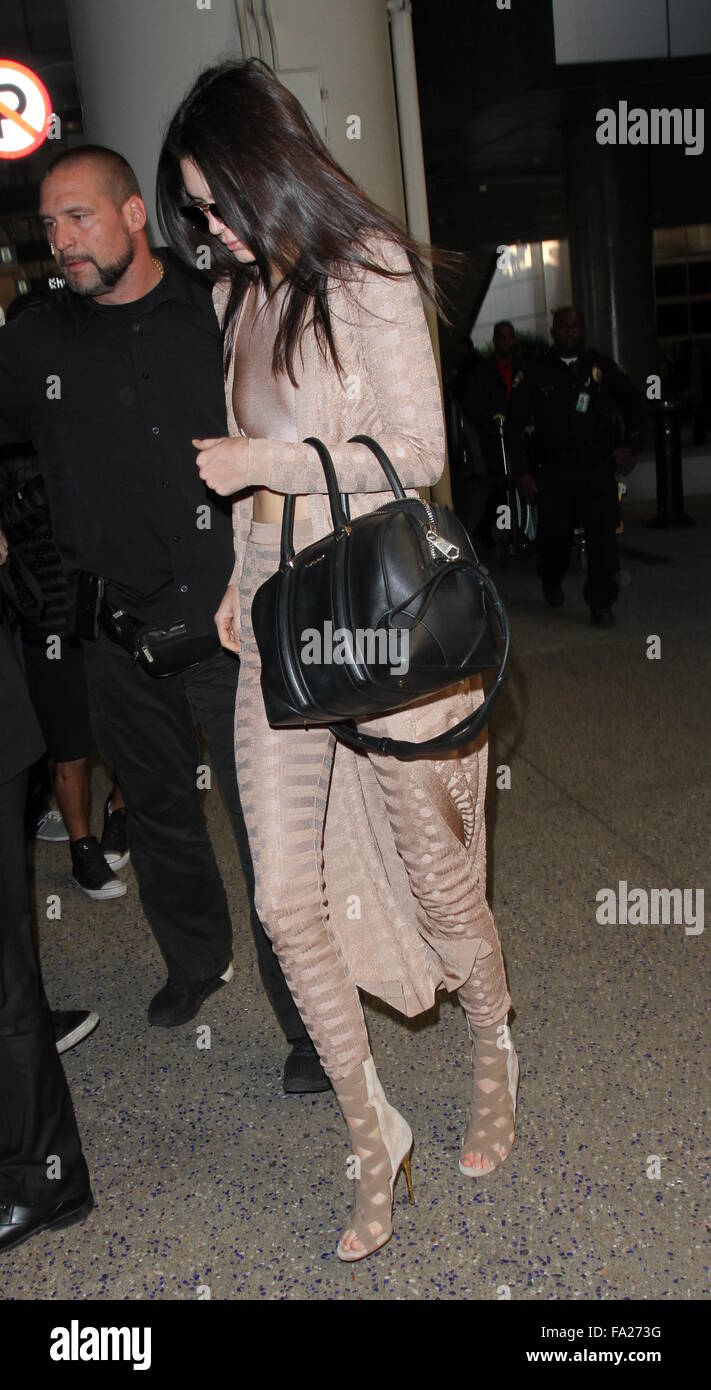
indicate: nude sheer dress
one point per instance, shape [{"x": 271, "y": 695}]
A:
[{"x": 370, "y": 872}]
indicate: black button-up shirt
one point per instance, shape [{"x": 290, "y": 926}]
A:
[{"x": 111, "y": 397}]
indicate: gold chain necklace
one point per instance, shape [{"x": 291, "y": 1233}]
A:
[{"x": 158, "y": 265}]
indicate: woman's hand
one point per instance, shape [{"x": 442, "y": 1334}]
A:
[
  {"x": 227, "y": 620},
  {"x": 3, "y": 549},
  {"x": 222, "y": 464}
]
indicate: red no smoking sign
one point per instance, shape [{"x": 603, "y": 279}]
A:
[{"x": 25, "y": 110}]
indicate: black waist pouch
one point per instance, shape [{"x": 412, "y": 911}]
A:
[{"x": 160, "y": 651}]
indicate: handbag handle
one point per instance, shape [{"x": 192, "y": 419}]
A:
[
  {"x": 340, "y": 511},
  {"x": 452, "y": 739}
]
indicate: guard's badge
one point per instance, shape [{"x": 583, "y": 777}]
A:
[
  {"x": 596, "y": 375},
  {"x": 517, "y": 380}
]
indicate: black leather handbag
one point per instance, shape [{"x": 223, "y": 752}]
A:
[{"x": 388, "y": 608}]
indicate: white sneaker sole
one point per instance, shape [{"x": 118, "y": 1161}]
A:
[
  {"x": 109, "y": 890},
  {"x": 228, "y": 973},
  {"x": 82, "y": 1031},
  {"x": 117, "y": 861}
]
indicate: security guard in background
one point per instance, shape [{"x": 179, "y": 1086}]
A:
[
  {"x": 588, "y": 421},
  {"x": 487, "y": 393}
]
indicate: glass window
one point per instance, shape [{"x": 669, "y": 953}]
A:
[
  {"x": 699, "y": 238},
  {"x": 700, "y": 277},
  {"x": 669, "y": 241},
  {"x": 701, "y": 316},
  {"x": 672, "y": 320},
  {"x": 670, "y": 281}
]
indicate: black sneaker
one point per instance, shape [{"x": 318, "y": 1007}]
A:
[
  {"x": 71, "y": 1026},
  {"x": 180, "y": 1000},
  {"x": 91, "y": 873},
  {"x": 303, "y": 1072},
  {"x": 114, "y": 840},
  {"x": 602, "y": 617},
  {"x": 553, "y": 594}
]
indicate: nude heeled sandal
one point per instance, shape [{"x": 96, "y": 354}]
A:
[
  {"x": 382, "y": 1141},
  {"x": 492, "y": 1121}
]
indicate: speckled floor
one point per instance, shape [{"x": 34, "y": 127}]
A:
[{"x": 209, "y": 1182}]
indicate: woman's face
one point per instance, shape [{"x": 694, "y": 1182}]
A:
[{"x": 198, "y": 192}]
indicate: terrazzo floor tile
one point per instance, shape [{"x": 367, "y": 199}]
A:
[{"x": 209, "y": 1182}]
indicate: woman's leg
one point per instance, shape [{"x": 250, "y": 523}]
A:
[
  {"x": 436, "y": 811},
  {"x": 283, "y": 778}
]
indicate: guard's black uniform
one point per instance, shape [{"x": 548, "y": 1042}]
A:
[
  {"x": 486, "y": 395},
  {"x": 581, "y": 410}
]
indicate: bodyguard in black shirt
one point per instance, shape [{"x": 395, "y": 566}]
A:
[{"x": 112, "y": 381}]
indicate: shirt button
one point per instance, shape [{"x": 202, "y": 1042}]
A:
[
  {"x": 145, "y": 375},
  {"x": 176, "y": 538},
  {"x": 155, "y": 430},
  {"x": 183, "y": 588},
  {"x": 164, "y": 483}
]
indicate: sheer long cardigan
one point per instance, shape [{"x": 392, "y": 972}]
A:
[{"x": 390, "y": 391}]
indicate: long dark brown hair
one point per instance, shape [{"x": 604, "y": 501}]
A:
[{"x": 280, "y": 192}]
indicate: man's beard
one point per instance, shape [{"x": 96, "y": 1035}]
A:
[{"x": 107, "y": 275}]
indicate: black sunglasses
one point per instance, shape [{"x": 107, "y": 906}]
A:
[{"x": 198, "y": 213}]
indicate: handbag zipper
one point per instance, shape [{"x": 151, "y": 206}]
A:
[{"x": 436, "y": 543}]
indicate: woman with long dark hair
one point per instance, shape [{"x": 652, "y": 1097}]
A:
[{"x": 370, "y": 871}]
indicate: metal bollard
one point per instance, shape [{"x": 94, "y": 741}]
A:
[{"x": 670, "y": 480}]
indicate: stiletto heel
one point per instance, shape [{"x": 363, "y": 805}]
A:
[
  {"x": 385, "y": 1141},
  {"x": 408, "y": 1177}
]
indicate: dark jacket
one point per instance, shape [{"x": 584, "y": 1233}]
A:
[
  {"x": 26, "y": 522},
  {"x": 21, "y": 742},
  {"x": 484, "y": 397},
  {"x": 569, "y": 441},
  {"x": 485, "y": 391}
]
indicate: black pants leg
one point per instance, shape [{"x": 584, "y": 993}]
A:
[
  {"x": 145, "y": 729},
  {"x": 556, "y": 523},
  {"x": 212, "y": 689},
  {"x": 41, "y": 1160},
  {"x": 599, "y": 511}
]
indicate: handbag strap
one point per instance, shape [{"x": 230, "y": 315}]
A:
[{"x": 452, "y": 739}]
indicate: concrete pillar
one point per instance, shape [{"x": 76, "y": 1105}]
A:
[
  {"x": 609, "y": 222},
  {"x": 134, "y": 62}
]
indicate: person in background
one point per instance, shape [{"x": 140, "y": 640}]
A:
[
  {"x": 37, "y": 1121},
  {"x": 54, "y": 668},
  {"x": 589, "y": 421},
  {"x": 487, "y": 394}
]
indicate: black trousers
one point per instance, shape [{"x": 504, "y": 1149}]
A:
[
  {"x": 146, "y": 729},
  {"x": 41, "y": 1160},
  {"x": 589, "y": 501},
  {"x": 497, "y": 495}
]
